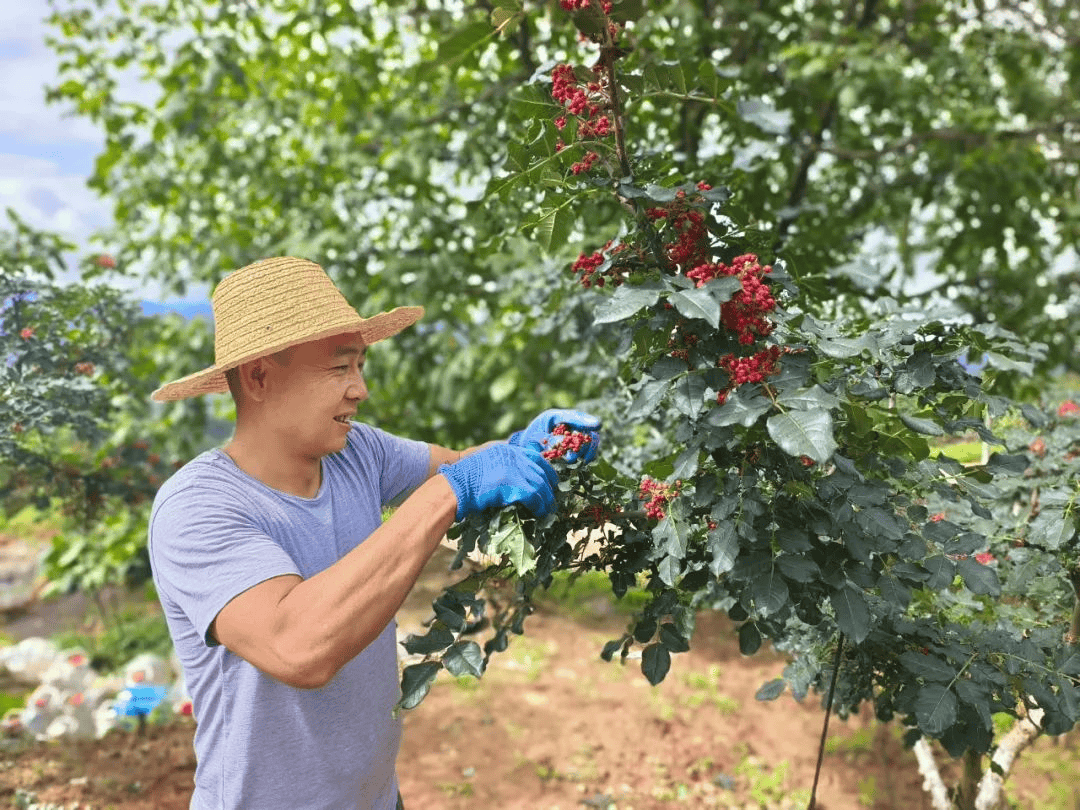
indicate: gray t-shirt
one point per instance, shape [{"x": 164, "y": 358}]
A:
[{"x": 215, "y": 532}]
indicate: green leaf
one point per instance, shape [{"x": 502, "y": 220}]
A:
[
  {"x": 509, "y": 541},
  {"x": 672, "y": 639},
  {"x": 626, "y": 301},
  {"x": 1004, "y": 464},
  {"x": 798, "y": 568},
  {"x": 852, "y": 612},
  {"x": 553, "y": 227},
  {"x": 611, "y": 648},
  {"x": 1004, "y": 363},
  {"x": 669, "y": 569},
  {"x": 655, "y": 663},
  {"x": 749, "y": 638},
  {"x": 977, "y": 696},
  {"x": 506, "y": 20},
  {"x": 697, "y": 303},
  {"x": 463, "y": 41},
  {"x": 894, "y": 591},
  {"x": 804, "y": 433},
  {"x": 464, "y": 658},
  {"x": 688, "y": 394},
  {"x": 769, "y": 592},
  {"x": 503, "y": 385},
  {"x": 928, "y": 666},
  {"x": 808, "y": 399},
  {"x": 1051, "y": 529},
  {"x": 438, "y": 637},
  {"x": 647, "y": 398},
  {"x": 924, "y": 426},
  {"x": 841, "y": 348},
  {"x": 416, "y": 681},
  {"x": 941, "y": 569},
  {"x": 878, "y": 523},
  {"x": 670, "y": 535},
  {"x": 740, "y": 409},
  {"x": 771, "y": 690},
  {"x": 979, "y": 578},
  {"x": 935, "y": 709},
  {"x": 724, "y": 547}
]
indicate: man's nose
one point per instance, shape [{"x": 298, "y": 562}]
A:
[{"x": 357, "y": 389}]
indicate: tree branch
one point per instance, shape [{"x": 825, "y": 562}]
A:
[
  {"x": 932, "y": 781},
  {"x": 1020, "y": 736},
  {"x": 944, "y": 134},
  {"x": 828, "y": 113}
]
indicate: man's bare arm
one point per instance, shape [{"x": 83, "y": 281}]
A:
[{"x": 302, "y": 631}]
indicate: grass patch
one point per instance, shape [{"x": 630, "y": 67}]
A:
[
  {"x": 578, "y": 595},
  {"x": 12, "y": 700},
  {"x": 860, "y": 741},
  {"x": 137, "y": 631}
]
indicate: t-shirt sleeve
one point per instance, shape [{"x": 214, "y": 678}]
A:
[
  {"x": 401, "y": 464},
  {"x": 205, "y": 551}
]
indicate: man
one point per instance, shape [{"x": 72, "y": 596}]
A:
[{"x": 277, "y": 576}]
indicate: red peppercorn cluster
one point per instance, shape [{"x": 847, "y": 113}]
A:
[
  {"x": 586, "y": 102},
  {"x": 578, "y": 5},
  {"x": 746, "y": 312},
  {"x": 1068, "y": 408},
  {"x": 596, "y": 515},
  {"x": 571, "y": 441},
  {"x": 587, "y": 266},
  {"x": 752, "y": 369},
  {"x": 690, "y": 244},
  {"x": 658, "y": 496},
  {"x": 585, "y": 163}
]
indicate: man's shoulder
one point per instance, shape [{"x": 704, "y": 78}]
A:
[{"x": 207, "y": 476}]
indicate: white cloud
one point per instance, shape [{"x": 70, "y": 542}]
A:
[{"x": 47, "y": 197}]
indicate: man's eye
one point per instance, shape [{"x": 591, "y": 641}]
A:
[{"x": 341, "y": 368}]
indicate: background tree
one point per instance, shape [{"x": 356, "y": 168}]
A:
[
  {"x": 885, "y": 141},
  {"x": 76, "y": 436}
]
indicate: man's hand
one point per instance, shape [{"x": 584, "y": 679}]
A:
[
  {"x": 539, "y": 437},
  {"x": 502, "y": 475}
]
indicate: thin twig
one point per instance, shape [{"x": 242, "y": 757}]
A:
[{"x": 825, "y": 725}]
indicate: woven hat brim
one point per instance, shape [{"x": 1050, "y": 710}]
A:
[{"x": 212, "y": 380}]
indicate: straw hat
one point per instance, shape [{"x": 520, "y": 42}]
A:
[{"x": 274, "y": 304}]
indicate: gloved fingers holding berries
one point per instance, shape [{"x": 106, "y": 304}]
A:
[
  {"x": 499, "y": 476},
  {"x": 568, "y": 434}
]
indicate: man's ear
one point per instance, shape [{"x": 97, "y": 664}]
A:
[{"x": 253, "y": 379}]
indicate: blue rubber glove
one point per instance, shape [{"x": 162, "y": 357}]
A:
[
  {"x": 539, "y": 437},
  {"x": 501, "y": 475}
]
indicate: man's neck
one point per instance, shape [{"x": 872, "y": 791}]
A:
[{"x": 269, "y": 462}]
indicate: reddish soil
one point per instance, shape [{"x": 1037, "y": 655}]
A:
[{"x": 552, "y": 726}]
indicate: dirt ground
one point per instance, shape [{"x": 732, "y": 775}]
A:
[{"x": 552, "y": 726}]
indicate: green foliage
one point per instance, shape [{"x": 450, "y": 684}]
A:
[
  {"x": 78, "y": 439},
  {"x": 414, "y": 155},
  {"x": 795, "y": 488},
  {"x": 130, "y": 633}
]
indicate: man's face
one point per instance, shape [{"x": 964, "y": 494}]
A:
[{"x": 316, "y": 393}]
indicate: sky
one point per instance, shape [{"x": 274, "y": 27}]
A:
[{"x": 46, "y": 156}]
